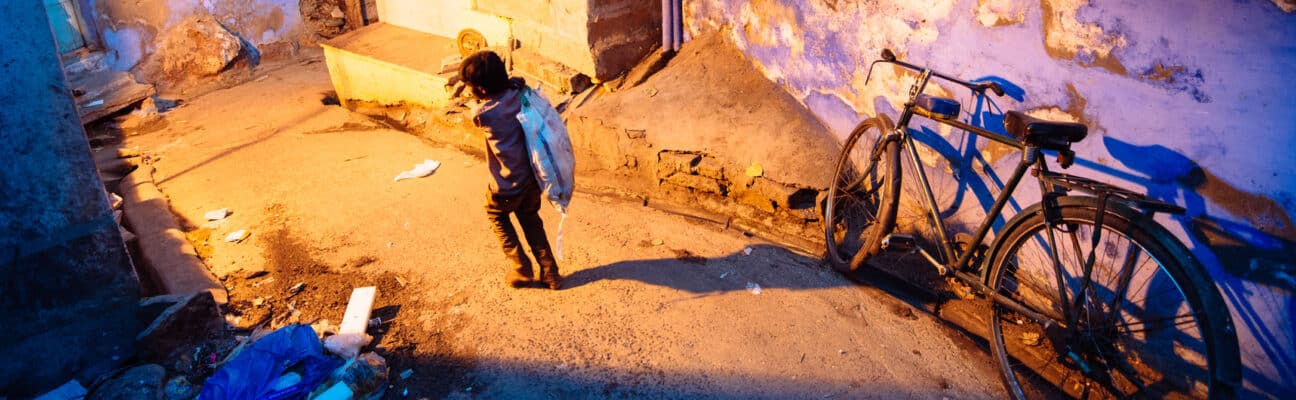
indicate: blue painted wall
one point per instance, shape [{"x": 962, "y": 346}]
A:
[{"x": 1187, "y": 101}]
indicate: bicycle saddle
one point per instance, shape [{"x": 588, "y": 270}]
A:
[{"x": 1050, "y": 135}]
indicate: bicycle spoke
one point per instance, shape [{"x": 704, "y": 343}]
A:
[{"x": 1193, "y": 319}]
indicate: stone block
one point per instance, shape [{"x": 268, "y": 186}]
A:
[
  {"x": 185, "y": 323},
  {"x": 697, "y": 182},
  {"x": 754, "y": 199},
  {"x": 674, "y": 162},
  {"x": 711, "y": 168}
]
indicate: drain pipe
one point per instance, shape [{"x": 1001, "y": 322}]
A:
[
  {"x": 668, "y": 31},
  {"x": 677, "y": 22}
]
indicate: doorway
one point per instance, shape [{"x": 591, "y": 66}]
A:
[{"x": 66, "y": 23}]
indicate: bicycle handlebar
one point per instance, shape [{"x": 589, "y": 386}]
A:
[{"x": 889, "y": 57}]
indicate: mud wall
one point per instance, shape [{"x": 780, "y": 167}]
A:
[
  {"x": 1185, "y": 102},
  {"x": 131, "y": 29}
]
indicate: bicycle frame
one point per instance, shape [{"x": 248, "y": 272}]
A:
[{"x": 1031, "y": 156}]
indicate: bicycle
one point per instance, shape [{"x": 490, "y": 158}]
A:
[{"x": 1091, "y": 324}]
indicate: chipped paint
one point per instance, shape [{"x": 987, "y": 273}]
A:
[
  {"x": 1067, "y": 38},
  {"x": 995, "y": 13},
  {"x": 1167, "y": 89}
]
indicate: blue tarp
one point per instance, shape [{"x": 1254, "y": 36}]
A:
[{"x": 250, "y": 375}]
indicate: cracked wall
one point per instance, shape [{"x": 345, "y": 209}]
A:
[{"x": 1185, "y": 102}]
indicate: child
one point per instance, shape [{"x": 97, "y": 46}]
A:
[{"x": 513, "y": 188}]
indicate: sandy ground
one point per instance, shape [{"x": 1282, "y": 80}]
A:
[{"x": 313, "y": 184}]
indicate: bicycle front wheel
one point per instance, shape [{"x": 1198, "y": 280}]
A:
[
  {"x": 861, "y": 204},
  {"x": 1149, "y": 323}
]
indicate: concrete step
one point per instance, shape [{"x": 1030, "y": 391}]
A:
[{"x": 391, "y": 65}]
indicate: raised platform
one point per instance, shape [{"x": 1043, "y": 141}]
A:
[{"x": 391, "y": 65}]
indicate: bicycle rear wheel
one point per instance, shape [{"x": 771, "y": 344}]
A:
[
  {"x": 1151, "y": 323},
  {"x": 861, "y": 204}
]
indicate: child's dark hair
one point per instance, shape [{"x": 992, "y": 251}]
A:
[{"x": 484, "y": 73}]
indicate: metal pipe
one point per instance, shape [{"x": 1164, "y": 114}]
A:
[
  {"x": 678, "y": 24},
  {"x": 666, "y": 29}
]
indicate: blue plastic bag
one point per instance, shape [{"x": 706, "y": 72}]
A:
[
  {"x": 549, "y": 147},
  {"x": 551, "y": 153},
  {"x": 250, "y": 375}
]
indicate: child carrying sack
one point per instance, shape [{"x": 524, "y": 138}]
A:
[{"x": 551, "y": 154}]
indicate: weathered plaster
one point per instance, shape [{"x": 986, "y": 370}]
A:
[
  {"x": 131, "y": 29},
  {"x": 1067, "y": 38},
  {"x": 1001, "y": 12},
  {"x": 1185, "y": 101}
]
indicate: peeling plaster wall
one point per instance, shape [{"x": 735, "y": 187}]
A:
[
  {"x": 130, "y": 29},
  {"x": 1187, "y": 102}
]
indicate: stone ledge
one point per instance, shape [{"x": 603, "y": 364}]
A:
[{"x": 168, "y": 260}]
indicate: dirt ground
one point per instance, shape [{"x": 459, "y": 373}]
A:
[{"x": 654, "y": 305}]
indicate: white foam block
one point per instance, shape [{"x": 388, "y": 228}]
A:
[{"x": 358, "y": 309}]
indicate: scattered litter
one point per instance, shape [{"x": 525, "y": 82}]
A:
[
  {"x": 366, "y": 375},
  {"x": 339, "y": 391},
  {"x": 179, "y": 388},
  {"x": 346, "y": 345},
  {"x": 841, "y": 352},
  {"x": 420, "y": 170},
  {"x": 747, "y": 251},
  {"x": 722, "y": 276},
  {"x": 297, "y": 288},
  {"x": 324, "y": 328},
  {"x": 267, "y": 280},
  {"x": 95, "y": 103},
  {"x": 286, "y": 381},
  {"x": 390, "y": 244},
  {"x": 652, "y": 92},
  {"x": 214, "y": 225},
  {"x": 1030, "y": 338},
  {"x": 358, "y": 310},
  {"x": 658, "y": 242},
  {"x": 351, "y": 334},
  {"x": 755, "y": 170},
  {"x": 70, "y": 390},
  {"x": 406, "y": 374},
  {"x": 216, "y": 215},
  {"x": 754, "y": 288},
  {"x": 237, "y": 236},
  {"x": 256, "y": 369},
  {"x": 114, "y": 200},
  {"x": 401, "y": 281}
]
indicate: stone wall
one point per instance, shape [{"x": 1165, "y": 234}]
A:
[
  {"x": 67, "y": 289},
  {"x": 1185, "y": 101}
]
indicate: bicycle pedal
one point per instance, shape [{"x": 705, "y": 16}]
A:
[{"x": 899, "y": 242}]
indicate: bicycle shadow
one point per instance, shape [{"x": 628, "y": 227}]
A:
[
  {"x": 1240, "y": 255},
  {"x": 766, "y": 268}
]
